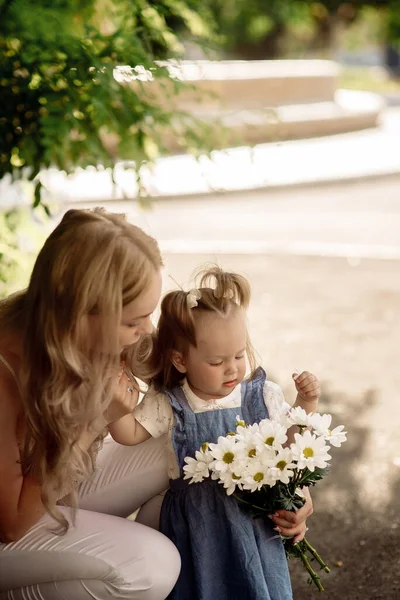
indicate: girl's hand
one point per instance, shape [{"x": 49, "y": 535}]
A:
[
  {"x": 307, "y": 386},
  {"x": 293, "y": 524},
  {"x": 125, "y": 398}
]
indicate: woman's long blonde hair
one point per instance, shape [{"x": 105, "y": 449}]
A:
[
  {"x": 220, "y": 291},
  {"x": 92, "y": 265}
]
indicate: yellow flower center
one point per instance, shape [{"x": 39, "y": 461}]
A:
[
  {"x": 204, "y": 446},
  {"x": 281, "y": 465},
  {"x": 240, "y": 424},
  {"x": 228, "y": 457},
  {"x": 269, "y": 441},
  {"x": 235, "y": 476},
  {"x": 231, "y": 433},
  {"x": 308, "y": 452},
  {"x": 252, "y": 452},
  {"x": 258, "y": 477}
]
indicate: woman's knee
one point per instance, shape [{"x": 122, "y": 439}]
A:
[{"x": 161, "y": 568}]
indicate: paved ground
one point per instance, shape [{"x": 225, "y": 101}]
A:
[{"x": 353, "y": 220}]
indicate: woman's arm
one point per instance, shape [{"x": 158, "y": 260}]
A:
[
  {"x": 20, "y": 501},
  {"x": 20, "y": 497}
]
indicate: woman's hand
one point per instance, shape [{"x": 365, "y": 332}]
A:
[
  {"x": 125, "y": 398},
  {"x": 290, "y": 523}
]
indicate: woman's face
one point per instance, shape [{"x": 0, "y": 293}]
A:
[{"x": 136, "y": 316}]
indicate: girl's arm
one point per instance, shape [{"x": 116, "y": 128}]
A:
[
  {"x": 122, "y": 425},
  {"x": 308, "y": 393},
  {"x": 128, "y": 431},
  {"x": 152, "y": 417}
]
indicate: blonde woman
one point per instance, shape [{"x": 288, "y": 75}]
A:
[{"x": 92, "y": 291}]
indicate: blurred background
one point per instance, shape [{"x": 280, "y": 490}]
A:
[{"x": 264, "y": 136}]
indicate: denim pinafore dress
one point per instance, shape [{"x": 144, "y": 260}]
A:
[{"x": 226, "y": 553}]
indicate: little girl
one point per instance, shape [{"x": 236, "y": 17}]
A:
[{"x": 201, "y": 348}]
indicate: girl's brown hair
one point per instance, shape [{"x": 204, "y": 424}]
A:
[
  {"x": 91, "y": 266},
  {"x": 220, "y": 292}
]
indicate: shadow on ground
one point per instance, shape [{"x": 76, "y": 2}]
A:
[{"x": 359, "y": 540}]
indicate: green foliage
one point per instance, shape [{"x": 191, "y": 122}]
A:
[
  {"x": 60, "y": 105},
  {"x": 59, "y": 102},
  {"x": 393, "y": 27},
  {"x": 8, "y": 248},
  {"x": 256, "y": 29}
]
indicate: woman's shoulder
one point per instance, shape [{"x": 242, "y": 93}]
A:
[{"x": 10, "y": 398}]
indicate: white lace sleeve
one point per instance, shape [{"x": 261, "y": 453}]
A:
[
  {"x": 274, "y": 400},
  {"x": 155, "y": 414}
]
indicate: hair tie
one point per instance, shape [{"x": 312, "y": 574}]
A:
[{"x": 193, "y": 297}]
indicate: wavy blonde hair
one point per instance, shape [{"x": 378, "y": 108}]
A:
[
  {"x": 92, "y": 265},
  {"x": 220, "y": 292}
]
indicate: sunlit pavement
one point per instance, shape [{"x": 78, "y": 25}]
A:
[
  {"x": 350, "y": 220},
  {"x": 351, "y": 156}
]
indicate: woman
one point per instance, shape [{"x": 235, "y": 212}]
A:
[{"x": 92, "y": 291}]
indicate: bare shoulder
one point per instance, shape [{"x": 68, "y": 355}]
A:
[
  {"x": 11, "y": 439},
  {"x": 10, "y": 403}
]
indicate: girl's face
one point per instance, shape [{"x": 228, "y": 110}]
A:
[
  {"x": 136, "y": 316},
  {"x": 218, "y": 364}
]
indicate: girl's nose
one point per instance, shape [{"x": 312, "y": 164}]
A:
[{"x": 231, "y": 367}]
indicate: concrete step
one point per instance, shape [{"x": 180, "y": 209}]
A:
[
  {"x": 256, "y": 84},
  {"x": 349, "y": 111}
]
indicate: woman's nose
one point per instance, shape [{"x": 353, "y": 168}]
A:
[{"x": 147, "y": 326}]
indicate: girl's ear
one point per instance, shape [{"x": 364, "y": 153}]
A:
[{"x": 178, "y": 361}]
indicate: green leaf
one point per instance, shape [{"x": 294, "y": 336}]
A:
[{"x": 37, "y": 194}]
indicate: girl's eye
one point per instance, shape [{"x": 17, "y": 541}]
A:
[
  {"x": 215, "y": 364},
  {"x": 239, "y": 357},
  {"x": 131, "y": 325}
]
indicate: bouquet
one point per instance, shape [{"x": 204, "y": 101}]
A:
[{"x": 263, "y": 475}]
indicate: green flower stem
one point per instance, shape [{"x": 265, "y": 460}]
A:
[
  {"x": 313, "y": 575},
  {"x": 249, "y": 503},
  {"x": 317, "y": 557}
]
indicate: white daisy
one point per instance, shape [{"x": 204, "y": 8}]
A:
[
  {"x": 270, "y": 434},
  {"x": 310, "y": 451},
  {"x": 257, "y": 474},
  {"x": 266, "y": 454},
  {"x": 225, "y": 452},
  {"x": 337, "y": 436},
  {"x": 246, "y": 432},
  {"x": 282, "y": 466},
  {"x": 321, "y": 425},
  {"x": 198, "y": 468},
  {"x": 298, "y": 416},
  {"x": 233, "y": 478},
  {"x": 248, "y": 440}
]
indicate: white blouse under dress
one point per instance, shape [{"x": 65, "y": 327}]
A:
[{"x": 155, "y": 414}]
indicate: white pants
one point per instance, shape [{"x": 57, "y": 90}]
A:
[{"x": 105, "y": 556}]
